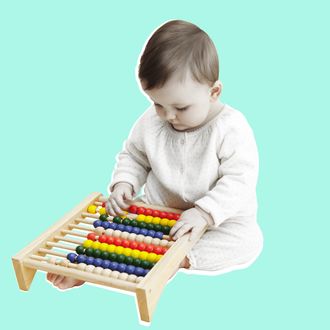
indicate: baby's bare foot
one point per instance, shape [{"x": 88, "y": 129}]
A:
[{"x": 63, "y": 282}]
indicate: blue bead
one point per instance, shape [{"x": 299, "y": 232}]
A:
[
  {"x": 130, "y": 269},
  {"x": 151, "y": 233},
  {"x": 139, "y": 271},
  {"x": 106, "y": 264},
  {"x": 89, "y": 260},
  {"x": 136, "y": 230},
  {"x": 121, "y": 227},
  {"x": 97, "y": 262},
  {"x": 105, "y": 224},
  {"x": 145, "y": 271},
  {"x": 128, "y": 229},
  {"x": 113, "y": 226},
  {"x": 113, "y": 265},
  {"x": 122, "y": 267},
  {"x": 144, "y": 231},
  {"x": 81, "y": 258},
  {"x": 159, "y": 235},
  {"x": 72, "y": 257},
  {"x": 97, "y": 223}
]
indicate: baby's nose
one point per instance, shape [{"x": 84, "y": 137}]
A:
[{"x": 170, "y": 115}]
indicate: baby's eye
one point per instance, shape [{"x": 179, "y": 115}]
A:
[{"x": 182, "y": 109}]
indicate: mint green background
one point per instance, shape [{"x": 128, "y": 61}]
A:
[{"x": 68, "y": 100}]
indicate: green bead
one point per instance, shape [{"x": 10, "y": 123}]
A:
[
  {"x": 166, "y": 230},
  {"x": 129, "y": 260},
  {"x": 137, "y": 262},
  {"x": 105, "y": 255},
  {"x": 150, "y": 226},
  {"x": 121, "y": 258},
  {"x": 89, "y": 252},
  {"x": 80, "y": 249},
  {"x": 158, "y": 227},
  {"x": 113, "y": 256},
  {"x": 97, "y": 253},
  {"x": 152, "y": 264},
  {"x": 142, "y": 224},
  {"x": 117, "y": 219},
  {"x": 126, "y": 222},
  {"x": 134, "y": 223},
  {"x": 145, "y": 264},
  {"x": 103, "y": 217}
]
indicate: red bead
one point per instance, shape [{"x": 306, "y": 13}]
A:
[
  {"x": 141, "y": 246},
  {"x": 148, "y": 212},
  {"x": 176, "y": 216},
  {"x": 103, "y": 239},
  {"x": 158, "y": 250},
  {"x": 140, "y": 210},
  {"x": 155, "y": 213},
  {"x": 91, "y": 236},
  {"x": 125, "y": 243},
  {"x": 163, "y": 215},
  {"x": 150, "y": 248},
  {"x": 133, "y": 209},
  {"x": 110, "y": 240},
  {"x": 133, "y": 244},
  {"x": 103, "y": 204},
  {"x": 164, "y": 250},
  {"x": 170, "y": 216},
  {"x": 117, "y": 241}
]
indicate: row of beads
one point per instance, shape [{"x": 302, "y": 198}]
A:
[
  {"x": 97, "y": 270},
  {"x": 155, "y": 213},
  {"x": 129, "y": 229},
  {"x": 127, "y": 243},
  {"x": 127, "y": 258},
  {"x": 107, "y": 264},
  {"x": 151, "y": 256}
]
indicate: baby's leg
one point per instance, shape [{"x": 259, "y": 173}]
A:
[{"x": 63, "y": 282}]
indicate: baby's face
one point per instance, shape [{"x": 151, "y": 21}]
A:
[{"x": 184, "y": 104}]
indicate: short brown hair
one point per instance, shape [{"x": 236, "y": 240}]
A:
[{"x": 175, "y": 47}]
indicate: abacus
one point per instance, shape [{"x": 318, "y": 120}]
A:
[{"x": 131, "y": 252}]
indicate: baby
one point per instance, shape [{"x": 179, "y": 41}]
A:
[{"x": 190, "y": 151}]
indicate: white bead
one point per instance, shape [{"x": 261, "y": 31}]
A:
[
  {"x": 163, "y": 242},
  {"x": 148, "y": 240},
  {"x": 109, "y": 232},
  {"x": 139, "y": 279},
  {"x": 82, "y": 266},
  {"x": 123, "y": 276},
  {"x": 132, "y": 236},
  {"x": 99, "y": 230},
  {"x": 116, "y": 233},
  {"x": 171, "y": 243},
  {"x": 90, "y": 268},
  {"x": 65, "y": 262},
  {"x": 131, "y": 278},
  {"x": 139, "y": 238},
  {"x": 115, "y": 274},
  {"x": 98, "y": 270},
  {"x": 155, "y": 241},
  {"x": 124, "y": 235},
  {"x": 106, "y": 272}
]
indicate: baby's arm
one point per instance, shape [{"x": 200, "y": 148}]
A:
[{"x": 235, "y": 191}]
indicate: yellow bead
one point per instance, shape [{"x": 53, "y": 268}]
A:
[
  {"x": 140, "y": 217},
  {"x": 164, "y": 222},
  {"x": 135, "y": 253},
  {"x": 156, "y": 220},
  {"x": 111, "y": 248},
  {"x": 148, "y": 219},
  {"x": 103, "y": 247},
  {"x": 119, "y": 249},
  {"x": 102, "y": 210},
  {"x": 88, "y": 243},
  {"x": 158, "y": 257},
  {"x": 143, "y": 255},
  {"x": 91, "y": 209},
  {"x": 171, "y": 223},
  {"x": 96, "y": 245},
  {"x": 152, "y": 257},
  {"x": 124, "y": 215},
  {"x": 127, "y": 252}
]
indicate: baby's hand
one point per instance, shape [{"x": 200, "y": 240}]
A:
[
  {"x": 116, "y": 202},
  {"x": 190, "y": 220}
]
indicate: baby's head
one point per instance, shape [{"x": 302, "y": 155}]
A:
[{"x": 179, "y": 71}]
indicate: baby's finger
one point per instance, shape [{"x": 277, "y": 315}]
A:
[
  {"x": 58, "y": 280},
  {"x": 50, "y": 277},
  {"x": 110, "y": 209},
  {"x": 176, "y": 227},
  {"x": 116, "y": 208},
  {"x": 183, "y": 230},
  {"x": 194, "y": 233},
  {"x": 121, "y": 203}
]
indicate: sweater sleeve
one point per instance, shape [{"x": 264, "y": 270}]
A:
[
  {"x": 235, "y": 191},
  {"x": 132, "y": 165}
]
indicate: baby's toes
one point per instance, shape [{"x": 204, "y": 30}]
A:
[{"x": 69, "y": 282}]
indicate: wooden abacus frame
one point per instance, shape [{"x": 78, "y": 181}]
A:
[{"x": 147, "y": 291}]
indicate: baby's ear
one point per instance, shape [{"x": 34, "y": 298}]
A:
[{"x": 215, "y": 90}]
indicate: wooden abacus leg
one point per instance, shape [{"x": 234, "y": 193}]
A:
[{"x": 24, "y": 274}]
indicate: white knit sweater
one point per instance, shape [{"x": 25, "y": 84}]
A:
[{"x": 214, "y": 167}]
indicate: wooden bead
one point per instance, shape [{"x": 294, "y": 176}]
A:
[
  {"x": 98, "y": 270},
  {"x": 115, "y": 274},
  {"x": 99, "y": 230},
  {"x": 155, "y": 241},
  {"x": 148, "y": 240},
  {"x": 132, "y": 237},
  {"x": 131, "y": 278},
  {"x": 139, "y": 238},
  {"x": 109, "y": 232},
  {"x": 106, "y": 272},
  {"x": 82, "y": 266},
  {"x": 116, "y": 233},
  {"x": 90, "y": 268},
  {"x": 123, "y": 276},
  {"x": 124, "y": 235}
]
